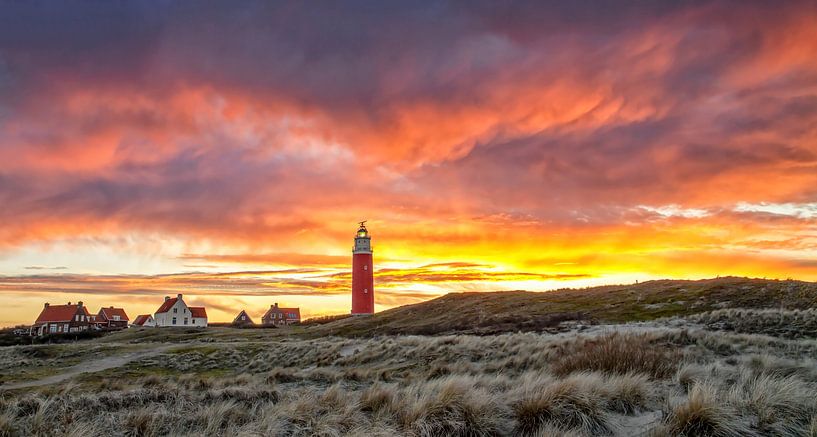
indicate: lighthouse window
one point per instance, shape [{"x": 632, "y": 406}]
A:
[
  {"x": 365, "y": 267},
  {"x": 365, "y": 290}
]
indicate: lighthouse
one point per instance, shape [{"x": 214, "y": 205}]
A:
[{"x": 362, "y": 274}]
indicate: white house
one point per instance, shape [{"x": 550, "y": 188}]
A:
[{"x": 175, "y": 313}]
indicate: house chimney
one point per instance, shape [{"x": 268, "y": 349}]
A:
[
  {"x": 79, "y": 304},
  {"x": 69, "y": 302},
  {"x": 178, "y": 296},
  {"x": 276, "y": 304},
  {"x": 167, "y": 298},
  {"x": 46, "y": 305},
  {"x": 111, "y": 306}
]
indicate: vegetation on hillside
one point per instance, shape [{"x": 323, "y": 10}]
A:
[
  {"x": 713, "y": 368},
  {"x": 667, "y": 378},
  {"x": 554, "y": 311}
]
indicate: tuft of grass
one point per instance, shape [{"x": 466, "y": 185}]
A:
[
  {"x": 141, "y": 422},
  {"x": 779, "y": 403},
  {"x": 564, "y": 403},
  {"x": 704, "y": 414},
  {"x": 8, "y": 425},
  {"x": 616, "y": 353},
  {"x": 628, "y": 394},
  {"x": 452, "y": 406}
]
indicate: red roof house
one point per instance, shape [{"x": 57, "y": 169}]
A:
[
  {"x": 175, "y": 312},
  {"x": 281, "y": 316},
  {"x": 144, "y": 320},
  {"x": 61, "y": 319},
  {"x": 168, "y": 304},
  {"x": 198, "y": 312},
  {"x": 114, "y": 318}
]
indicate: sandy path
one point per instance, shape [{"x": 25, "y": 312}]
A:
[{"x": 89, "y": 366}]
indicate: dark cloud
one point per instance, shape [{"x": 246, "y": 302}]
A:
[{"x": 260, "y": 126}]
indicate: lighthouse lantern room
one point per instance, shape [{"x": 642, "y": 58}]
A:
[{"x": 362, "y": 273}]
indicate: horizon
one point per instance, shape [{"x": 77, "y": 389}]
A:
[{"x": 227, "y": 153}]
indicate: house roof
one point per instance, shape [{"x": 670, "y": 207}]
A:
[
  {"x": 297, "y": 311},
  {"x": 110, "y": 312},
  {"x": 141, "y": 319},
  {"x": 248, "y": 319},
  {"x": 167, "y": 305},
  {"x": 60, "y": 313},
  {"x": 198, "y": 312}
]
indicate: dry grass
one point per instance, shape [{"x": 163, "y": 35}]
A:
[
  {"x": 777, "y": 322},
  {"x": 659, "y": 379},
  {"x": 617, "y": 353},
  {"x": 704, "y": 414}
]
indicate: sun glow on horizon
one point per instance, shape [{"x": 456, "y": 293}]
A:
[{"x": 539, "y": 147}]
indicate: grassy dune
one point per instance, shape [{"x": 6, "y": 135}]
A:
[
  {"x": 509, "y": 311},
  {"x": 722, "y": 372}
]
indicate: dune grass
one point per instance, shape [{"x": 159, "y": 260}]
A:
[{"x": 608, "y": 380}]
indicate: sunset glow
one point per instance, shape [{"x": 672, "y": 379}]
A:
[{"x": 149, "y": 149}]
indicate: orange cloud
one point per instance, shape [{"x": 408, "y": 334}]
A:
[{"x": 523, "y": 146}]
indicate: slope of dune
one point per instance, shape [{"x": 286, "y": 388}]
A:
[{"x": 509, "y": 311}]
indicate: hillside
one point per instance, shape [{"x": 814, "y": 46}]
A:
[
  {"x": 726, "y": 372},
  {"x": 509, "y": 311}
]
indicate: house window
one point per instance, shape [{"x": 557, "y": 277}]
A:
[
  {"x": 52, "y": 328},
  {"x": 243, "y": 318},
  {"x": 174, "y": 320},
  {"x": 175, "y": 310},
  {"x": 194, "y": 321},
  {"x": 116, "y": 318},
  {"x": 185, "y": 320},
  {"x": 65, "y": 328},
  {"x": 76, "y": 317}
]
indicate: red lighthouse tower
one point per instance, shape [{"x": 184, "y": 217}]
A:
[{"x": 362, "y": 274}]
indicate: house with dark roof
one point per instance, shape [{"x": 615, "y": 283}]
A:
[
  {"x": 174, "y": 312},
  {"x": 281, "y": 316},
  {"x": 111, "y": 318},
  {"x": 62, "y": 319},
  {"x": 144, "y": 320},
  {"x": 243, "y": 319}
]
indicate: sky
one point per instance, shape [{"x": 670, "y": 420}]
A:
[{"x": 226, "y": 150}]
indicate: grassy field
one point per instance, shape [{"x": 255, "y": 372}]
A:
[
  {"x": 509, "y": 311},
  {"x": 718, "y": 370}
]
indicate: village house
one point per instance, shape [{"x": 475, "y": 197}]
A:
[
  {"x": 111, "y": 318},
  {"x": 144, "y": 320},
  {"x": 243, "y": 319},
  {"x": 281, "y": 316},
  {"x": 174, "y": 312},
  {"x": 61, "y": 319}
]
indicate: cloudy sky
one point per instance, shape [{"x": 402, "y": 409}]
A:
[{"x": 226, "y": 152}]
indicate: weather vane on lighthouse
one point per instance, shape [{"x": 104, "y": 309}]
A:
[{"x": 362, "y": 273}]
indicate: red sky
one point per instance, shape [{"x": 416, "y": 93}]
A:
[{"x": 226, "y": 152}]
